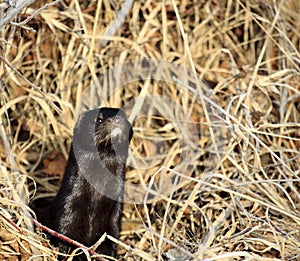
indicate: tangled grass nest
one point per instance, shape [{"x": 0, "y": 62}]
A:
[{"x": 212, "y": 89}]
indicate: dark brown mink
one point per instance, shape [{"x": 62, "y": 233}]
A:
[{"x": 90, "y": 199}]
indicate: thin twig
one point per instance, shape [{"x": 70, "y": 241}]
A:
[
  {"x": 14, "y": 11},
  {"x": 117, "y": 23},
  {"x": 66, "y": 239},
  {"x": 11, "y": 222},
  {"x": 37, "y": 88},
  {"x": 36, "y": 13}
]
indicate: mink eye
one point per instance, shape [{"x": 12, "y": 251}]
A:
[{"x": 100, "y": 118}]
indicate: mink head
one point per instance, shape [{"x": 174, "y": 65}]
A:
[
  {"x": 105, "y": 130},
  {"x": 112, "y": 128}
]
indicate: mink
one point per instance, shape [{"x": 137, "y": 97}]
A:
[{"x": 90, "y": 199}]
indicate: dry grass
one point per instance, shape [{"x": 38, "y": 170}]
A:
[{"x": 213, "y": 169}]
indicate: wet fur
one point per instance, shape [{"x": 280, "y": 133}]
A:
[{"x": 79, "y": 210}]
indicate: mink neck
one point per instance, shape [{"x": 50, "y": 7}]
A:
[{"x": 113, "y": 156}]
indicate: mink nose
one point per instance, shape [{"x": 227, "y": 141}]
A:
[{"x": 116, "y": 119}]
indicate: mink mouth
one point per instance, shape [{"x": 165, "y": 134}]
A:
[
  {"x": 119, "y": 133},
  {"x": 116, "y": 132}
]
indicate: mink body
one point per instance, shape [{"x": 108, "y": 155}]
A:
[{"x": 90, "y": 199}]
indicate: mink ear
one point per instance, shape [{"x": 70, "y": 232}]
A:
[{"x": 84, "y": 130}]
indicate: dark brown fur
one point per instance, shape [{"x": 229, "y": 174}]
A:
[{"x": 89, "y": 201}]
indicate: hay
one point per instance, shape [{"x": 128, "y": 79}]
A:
[{"x": 213, "y": 167}]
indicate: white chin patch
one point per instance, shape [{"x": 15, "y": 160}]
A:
[{"x": 116, "y": 132}]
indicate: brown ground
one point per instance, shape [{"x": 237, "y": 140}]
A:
[{"x": 223, "y": 157}]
